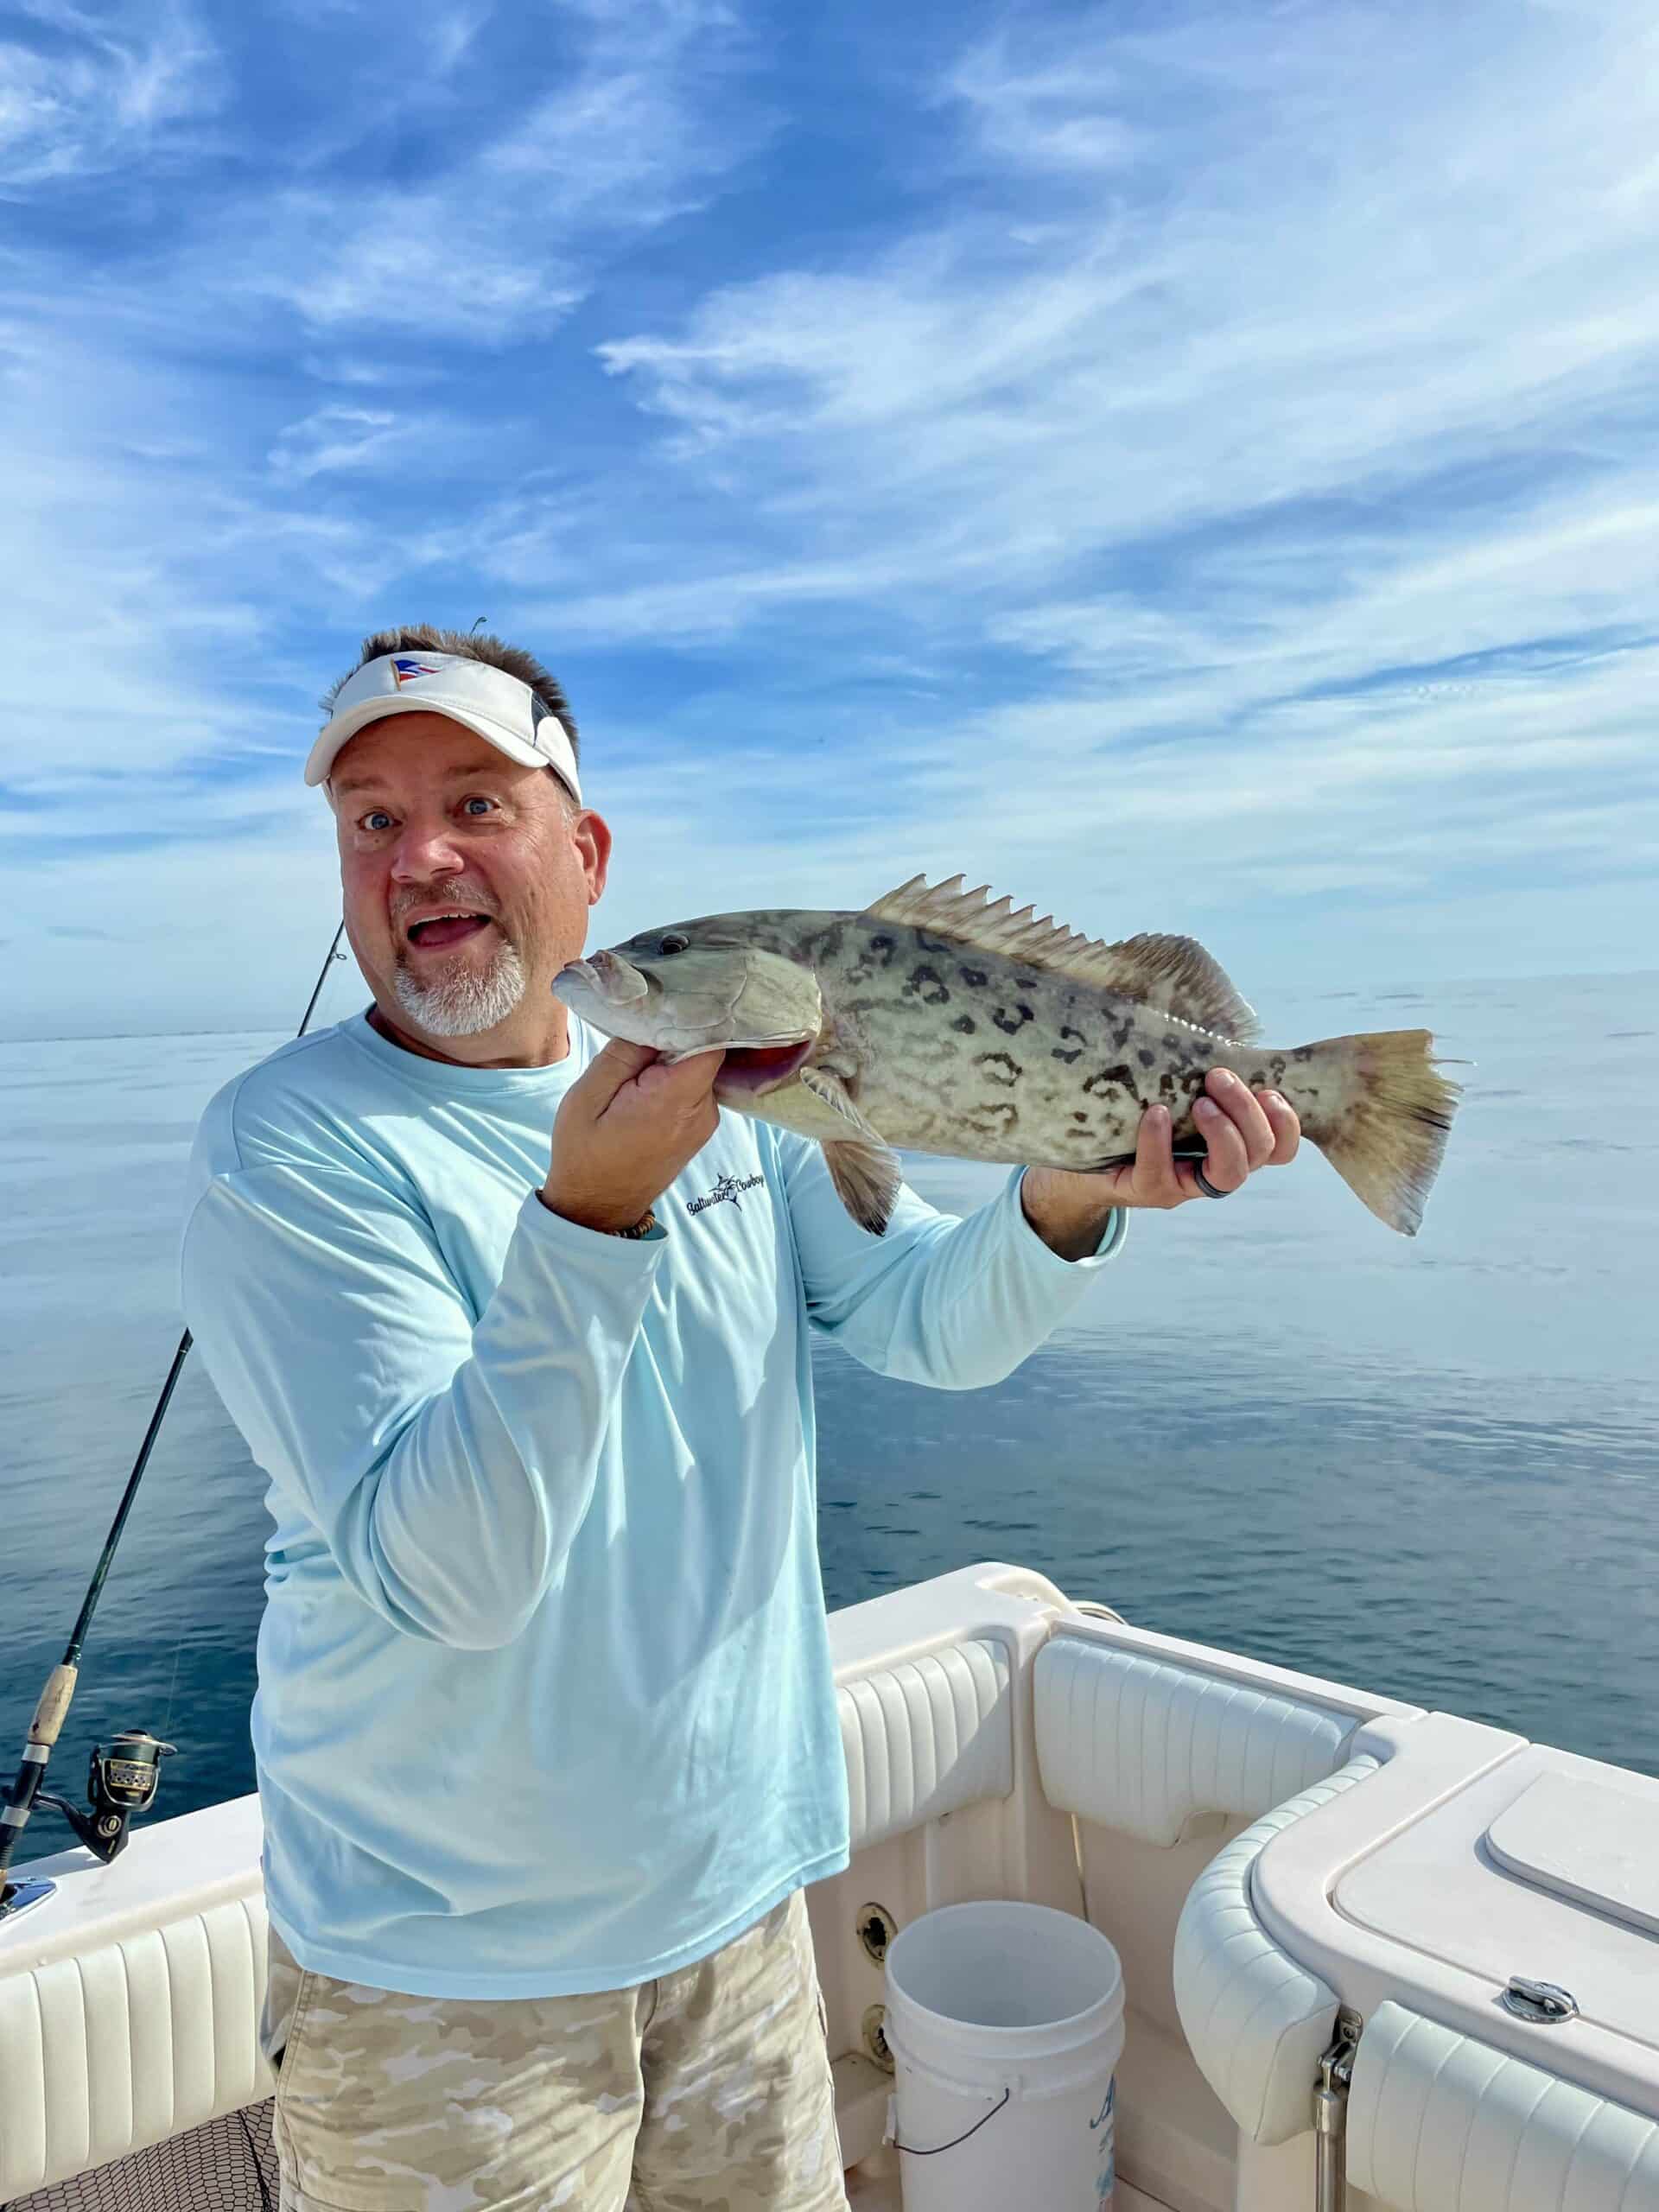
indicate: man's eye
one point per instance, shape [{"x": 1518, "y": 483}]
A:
[
  {"x": 377, "y": 819},
  {"x": 477, "y": 801},
  {"x": 674, "y": 942}
]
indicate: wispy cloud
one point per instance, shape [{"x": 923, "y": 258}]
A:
[
  {"x": 1196, "y": 465},
  {"x": 1275, "y": 375},
  {"x": 505, "y": 238},
  {"x": 83, "y": 93}
]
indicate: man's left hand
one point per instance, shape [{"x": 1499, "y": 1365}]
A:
[{"x": 1244, "y": 1130}]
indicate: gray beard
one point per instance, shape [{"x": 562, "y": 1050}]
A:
[{"x": 463, "y": 1003}]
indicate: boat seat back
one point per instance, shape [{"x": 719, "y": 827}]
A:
[
  {"x": 129, "y": 2041},
  {"x": 1149, "y": 1747},
  {"x": 1439, "y": 2122},
  {"x": 927, "y": 1736}
]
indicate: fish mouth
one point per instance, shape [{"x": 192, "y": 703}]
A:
[
  {"x": 751, "y": 1071},
  {"x": 610, "y": 978}
]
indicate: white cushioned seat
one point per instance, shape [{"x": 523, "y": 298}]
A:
[
  {"x": 1439, "y": 2122},
  {"x": 926, "y": 1737},
  {"x": 1255, "y": 2021},
  {"x": 129, "y": 2043},
  {"x": 1144, "y": 1746}
]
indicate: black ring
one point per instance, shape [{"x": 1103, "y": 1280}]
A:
[{"x": 1205, "y": 1184}]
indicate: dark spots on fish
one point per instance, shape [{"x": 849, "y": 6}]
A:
[
  {"x": 1302, "y": 1055},
  {"x": 1258, "y": 1079},
  {"x": 1076, "y": 1053},
  {"x": 974, "y": 977},
  {"x": 964, "y": 1025},
  {"x": 1026, "y": 983},
  {"x": 1146, "y": 1059},
  {"x": 994, "y": 1118},
  {"x": 1000, "y": 1067},
  {"x": 1077, "y": 1116},
  {"x": 1011, "y": 1024},
  {"x": 929, "y": 944},
  {"x": 877, "y": 953},
  {"x": 1106, "y": 1079},
  {"x": 1166, "y": 1087},
  {"x": 1277, "y": 1067},
  {"x": 1122, "y": 1033},
  {"x": 928, "y": 985}
]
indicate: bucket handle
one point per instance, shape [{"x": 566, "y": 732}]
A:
[{"x": 911, "y": 2151}]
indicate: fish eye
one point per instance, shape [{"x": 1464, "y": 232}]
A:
[{"x": 674, "y": 942}]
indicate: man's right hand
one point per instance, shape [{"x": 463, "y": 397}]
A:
[{"x": 627, "y": 1126}]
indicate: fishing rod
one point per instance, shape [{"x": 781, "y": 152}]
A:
[{"x": 123, "y": 1780}]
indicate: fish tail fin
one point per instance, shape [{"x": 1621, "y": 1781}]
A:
[{"x": 1387, "y": 1138}]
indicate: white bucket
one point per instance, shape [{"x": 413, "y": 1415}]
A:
[{"x": 1006, "y": 2025}]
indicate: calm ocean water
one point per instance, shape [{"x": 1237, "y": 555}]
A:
[{"x": 1429, "y": 1468}]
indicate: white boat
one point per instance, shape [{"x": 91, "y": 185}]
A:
[{"x": 1365, "y": 1946}]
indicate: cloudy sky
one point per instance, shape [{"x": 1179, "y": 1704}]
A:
[{"x": 1193, "y": 466}]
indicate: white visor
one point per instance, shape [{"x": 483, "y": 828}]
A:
[{"x": 485, "y": 699}]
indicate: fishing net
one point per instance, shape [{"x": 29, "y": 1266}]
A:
[{"x": 226, "y": 2165}]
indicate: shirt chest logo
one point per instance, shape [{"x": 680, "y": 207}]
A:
[{"x": 729, "y": 1186}]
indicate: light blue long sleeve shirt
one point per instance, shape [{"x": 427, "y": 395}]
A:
[{"x": 545, "y": 1702}]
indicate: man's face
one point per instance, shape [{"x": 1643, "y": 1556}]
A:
[{"x": 434, "y": 822}]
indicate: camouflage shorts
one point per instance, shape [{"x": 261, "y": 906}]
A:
[{"x": 709, "y": 2088}]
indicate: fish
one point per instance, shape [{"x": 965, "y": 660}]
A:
[{"x": 940, "y": 1020}]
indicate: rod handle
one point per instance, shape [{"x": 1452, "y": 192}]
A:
[{"x": 53, "y": 1709}]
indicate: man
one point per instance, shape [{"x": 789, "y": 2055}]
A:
[{"x": 546, "y": 1731}]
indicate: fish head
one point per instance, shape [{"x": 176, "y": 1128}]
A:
[{"x": 703, "y": 987}]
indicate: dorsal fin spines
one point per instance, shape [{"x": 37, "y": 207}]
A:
[{"x": 1173, "y": 974}]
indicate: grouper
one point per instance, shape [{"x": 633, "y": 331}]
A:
[{"x": 939, "y": 1021}]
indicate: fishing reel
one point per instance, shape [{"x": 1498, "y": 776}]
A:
[{"x": 120, "y": 1783}]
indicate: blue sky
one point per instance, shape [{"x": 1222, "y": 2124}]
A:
[{"x": 1195, "y": 467}]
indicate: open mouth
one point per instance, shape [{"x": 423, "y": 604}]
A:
[
  {"x": 439, "y": 931},
  {"x": 750, "y": 1070}
]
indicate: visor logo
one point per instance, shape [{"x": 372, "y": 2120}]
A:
[{"x": 405, "y": 668}]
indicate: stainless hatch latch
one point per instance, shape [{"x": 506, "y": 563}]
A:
[
  {"x": 1331, "y": 2113},
  {"x": 1546, "y": 2004}
]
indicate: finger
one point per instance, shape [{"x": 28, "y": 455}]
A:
[
  {"x": 619, "y": 1062},
  {"x": 1228, "y": 1163},
  {"x": 1156, "y": 1183},
  {"x": 1285, "y": 1124},
  {"x": 1243, "y": 1109},
  {"x": 680, "y": 1083}
]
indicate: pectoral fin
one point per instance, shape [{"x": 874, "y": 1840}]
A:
[
  {"x": 866, "y": 1179},
  {"x": 862, "y": 1166}
]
